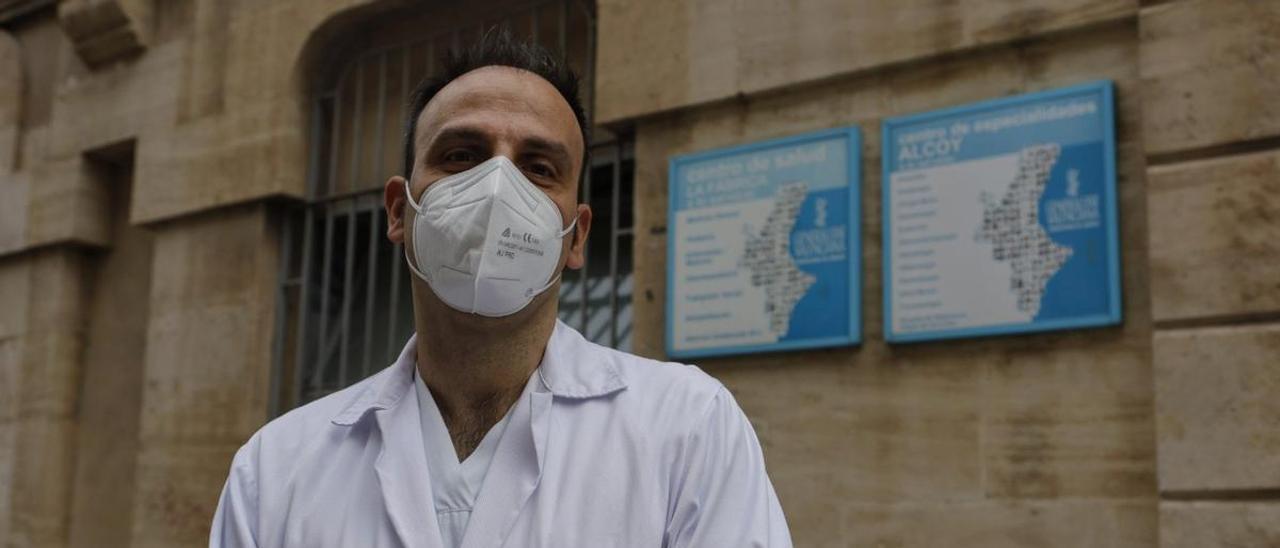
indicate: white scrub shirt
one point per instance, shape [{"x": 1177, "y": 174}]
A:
[
  {"x": 617, "y": 451},
  {"x": 454, "y": 484}
]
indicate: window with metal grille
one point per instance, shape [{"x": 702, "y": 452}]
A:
[{"x": 344, "y": 297}]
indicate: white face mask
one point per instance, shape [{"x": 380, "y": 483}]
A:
[{"x": 486, "y": 240}]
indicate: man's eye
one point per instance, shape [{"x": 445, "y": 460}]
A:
[
  {"x": 539, "y": 170},
  {"x": 461, "y": 157}
]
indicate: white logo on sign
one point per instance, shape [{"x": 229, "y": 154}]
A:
[
  {"x": 820, "y": 213},
  {"x": 1073, "y": 182}
]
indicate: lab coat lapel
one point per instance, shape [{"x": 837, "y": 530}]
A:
[
  {"x": 513, "y": 475},
  {"x": 403, "y": 477}
]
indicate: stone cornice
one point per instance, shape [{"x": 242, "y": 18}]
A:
[{"x": 106, "y": 30}]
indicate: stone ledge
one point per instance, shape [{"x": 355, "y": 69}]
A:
[{"x": 67, "y": 202}]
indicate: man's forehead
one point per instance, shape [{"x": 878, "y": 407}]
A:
[{"x": 512, "y": 94}]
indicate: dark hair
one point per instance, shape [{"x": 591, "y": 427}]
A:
[{"x": 496, "y": 47}]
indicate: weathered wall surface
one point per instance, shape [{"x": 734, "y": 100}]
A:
[
  {"x": 1045, "y": 440},
  {"x": 1210, "y": 73},
  {"x": 207, "y": 366},
  {"x": 48, "y": 377},
  {"x": 205, "y": 100},
  {"x": 1162, "y": 431},
  {"x": 666, "y": 54},
  {"x": 111, "y": 383},
  {"x": 14, "y": 283}
]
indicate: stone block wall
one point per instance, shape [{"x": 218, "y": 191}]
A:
[
  {"x": 1211, "y": 133},
  {"x": 1043, "y": 440},
  {"x": 200, "y": 104},
  {"x": 1141, "y": 435}
]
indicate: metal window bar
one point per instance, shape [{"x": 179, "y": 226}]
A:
[
  {"x": 597, "y": 299},
  {"x": 344, "y": 309}
]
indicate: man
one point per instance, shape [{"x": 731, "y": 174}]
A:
[{"x": 498, "y": 425}]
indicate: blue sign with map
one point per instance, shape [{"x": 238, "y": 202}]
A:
[
  {"x": 1000, "y": 217},
  {"x": 763, "y": 249}
]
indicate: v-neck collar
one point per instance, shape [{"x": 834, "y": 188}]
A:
[{"x": 456, "y": 483}]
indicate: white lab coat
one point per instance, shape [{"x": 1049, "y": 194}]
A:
[{"x": 618, "y": 451}]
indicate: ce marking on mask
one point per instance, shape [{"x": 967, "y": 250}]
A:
[{"x": 513, "y": 242}]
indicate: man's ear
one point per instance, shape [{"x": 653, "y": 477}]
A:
[
  {"x": 393, "y": 199},
  {"x": 577, "y": 249}
]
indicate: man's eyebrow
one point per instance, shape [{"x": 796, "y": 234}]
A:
[
  {"x": 455, "y": 134},
  {"x": 554, "y": 149}
]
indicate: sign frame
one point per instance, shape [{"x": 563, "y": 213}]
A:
[
  {"x": 1104, "y": 89},
  {"x": 853, "y": 250}
]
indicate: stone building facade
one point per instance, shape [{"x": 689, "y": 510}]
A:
[{"x": 153, "y": 155}]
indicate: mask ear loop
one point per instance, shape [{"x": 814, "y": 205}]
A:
[
  {"x": 534, "y": 292},
  {"x": 569, "y": 228},
  {"x": 405, "y": 248},
  {"x": 408, "y": 194}
]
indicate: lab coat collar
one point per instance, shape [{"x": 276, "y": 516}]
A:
[
  {"x": 574, "y": 368},
  {"x": 571, "y": 368},
  {"x": 383, "y": 390},
  {"x": 404, "y": 479}
]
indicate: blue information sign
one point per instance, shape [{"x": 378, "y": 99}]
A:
[
  {"x": 763, "y": 248},
  {"x": 1000, "y": 217}
]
